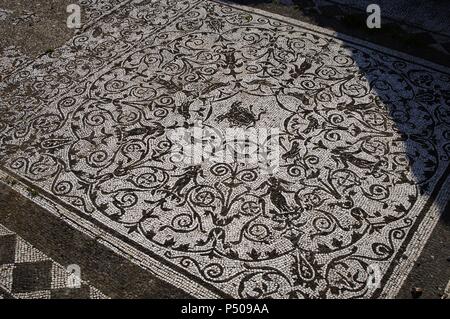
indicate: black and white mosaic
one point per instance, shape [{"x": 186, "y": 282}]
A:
[
  {"x": 364, "y": 133},
  {"x": 27, "y": 273},
  {"x": 11, "y": 58}
]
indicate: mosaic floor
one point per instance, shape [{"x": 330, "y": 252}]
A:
[
  {"x": 86, "y": 132},
  {"x": 27, "y": 273}
]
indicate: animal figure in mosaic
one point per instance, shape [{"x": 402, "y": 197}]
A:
[{"x": 240, "y": 116}]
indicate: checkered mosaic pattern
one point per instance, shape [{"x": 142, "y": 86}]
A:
[{"x": 27, "y": 273}]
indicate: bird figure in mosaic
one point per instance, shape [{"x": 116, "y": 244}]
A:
[
  {"x": 293, "y": 151},
  {"x": 184, "y": 179}
]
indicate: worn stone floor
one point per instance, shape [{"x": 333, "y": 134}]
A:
[{"x": 116, "y": 154}]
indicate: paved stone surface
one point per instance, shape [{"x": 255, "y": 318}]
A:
[
  {"x": 88, "y": 135},
  {"x": 429, "y": 15},
  {"x": 34, "y": 28},
  {"x": 344, "y": 17},
  {"x": 431, "y": 270}
]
